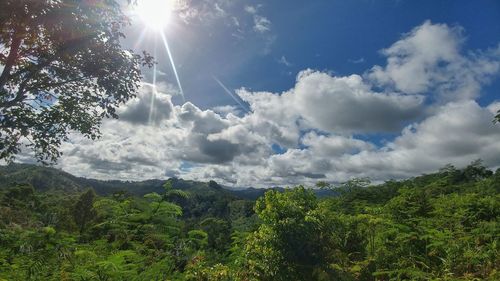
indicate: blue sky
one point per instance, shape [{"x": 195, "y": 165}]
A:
[
  {"x": 284, "y": 93},
  {"x": 340, "y": 36}
]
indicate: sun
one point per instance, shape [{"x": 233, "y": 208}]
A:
[{"x": 154, "y": 13}]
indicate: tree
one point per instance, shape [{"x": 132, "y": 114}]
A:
[
  {"x": 218, "y": 233},
  {"x": 84, "y": 211},
  {"x": 292, "y": 242},
  {"x": 476, "y": 171},
  {"x": 62, "y": 69}
]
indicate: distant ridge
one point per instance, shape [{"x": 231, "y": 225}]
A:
[
  {"x": 40, "y": 177},
  {"x": 45, "y": 178}
]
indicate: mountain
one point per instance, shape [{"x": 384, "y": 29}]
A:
[
  {"x": 45, "y": 178},
  {"x": 41, "y": 178}
]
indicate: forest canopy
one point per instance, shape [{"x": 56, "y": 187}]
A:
[
  {"x": 440, "y": 226},
  {"x": 246, "y": 94}
]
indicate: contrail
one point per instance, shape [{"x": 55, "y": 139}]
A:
[
  {"x": 173, "y": 65},
  {"x": 244, "y": 107}
]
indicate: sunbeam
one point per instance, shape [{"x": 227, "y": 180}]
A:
[
  {"x": 153, "y": 95},
  {"x": 231, "y": 94},
  {"x": 140, "y": 39},
  {"x": 165, "y": 43}
]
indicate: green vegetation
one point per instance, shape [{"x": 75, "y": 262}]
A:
[
  {"x": 441, "y": 226},
  {"x": 65, "y": 71}
]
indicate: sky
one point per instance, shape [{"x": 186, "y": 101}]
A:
[{"x": 282, "y": 93}]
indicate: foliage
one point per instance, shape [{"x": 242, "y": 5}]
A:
[
  {"x": 63, "y": 70},
  {"x": 83, "y": 212},
  {"x": 440, "y": 226}
]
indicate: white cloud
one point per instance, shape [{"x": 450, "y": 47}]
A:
[
  {"x": 237, "y": 150},
  {"x": 251, "y": 9},
  {"x": 203, "y": 12},
  {"x": 261, "y": 24},
  {"x": 335, "y": 145},
  {"x": 125, "y": 151},
  {"x": 151, "y": 108},
  {"x": 357, "y": 61},
  {"x": 336, "y": 104},
  {"x": 284, "y": 61},
  {"x": 224, "y": 110},
  {"x": 323, "y": 123},
  {"x": 428, "y": 60},
  {"x": 459, "y": 133},
  {"x": 235, "y": 20},
  {"x": 346, "y": 104}
]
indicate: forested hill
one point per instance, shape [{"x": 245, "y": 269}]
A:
[
  {"x": 51, "y": 179},
  {"x": 440, "y": 226},
  {"x": 48, "y": 178}
]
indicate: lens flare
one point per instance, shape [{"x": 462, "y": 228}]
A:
[
  {"x": 244, "y": 107},
  {"x": 165, "y": 43},
  {"x": 153, "y": 95},
  {"x": 154, "y": 13}
]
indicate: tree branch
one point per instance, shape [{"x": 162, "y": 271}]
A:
[
  {"x": 59, "y": 83},
  {"x": 19, "y": 97},
  {"x": 11, "y": 59}
]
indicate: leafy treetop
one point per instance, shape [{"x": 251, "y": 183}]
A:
[{"x": 62, "y": 69}]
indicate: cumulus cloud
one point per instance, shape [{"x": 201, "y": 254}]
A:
[
  {"x": 429, "y": 60},
  {"x": 134, "y": 148},
  {"x": 336, "y": 104},
  {"x": 335, "y": 145},
  {"x": 227, "y": 109},
  {"x": 323, "y": 124},
  {"x": 151, "y": 107},
  {"x": 346, "y": 104},
  {"x": 459, "y": 133},
  {"x": 125, "y": 151}
]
